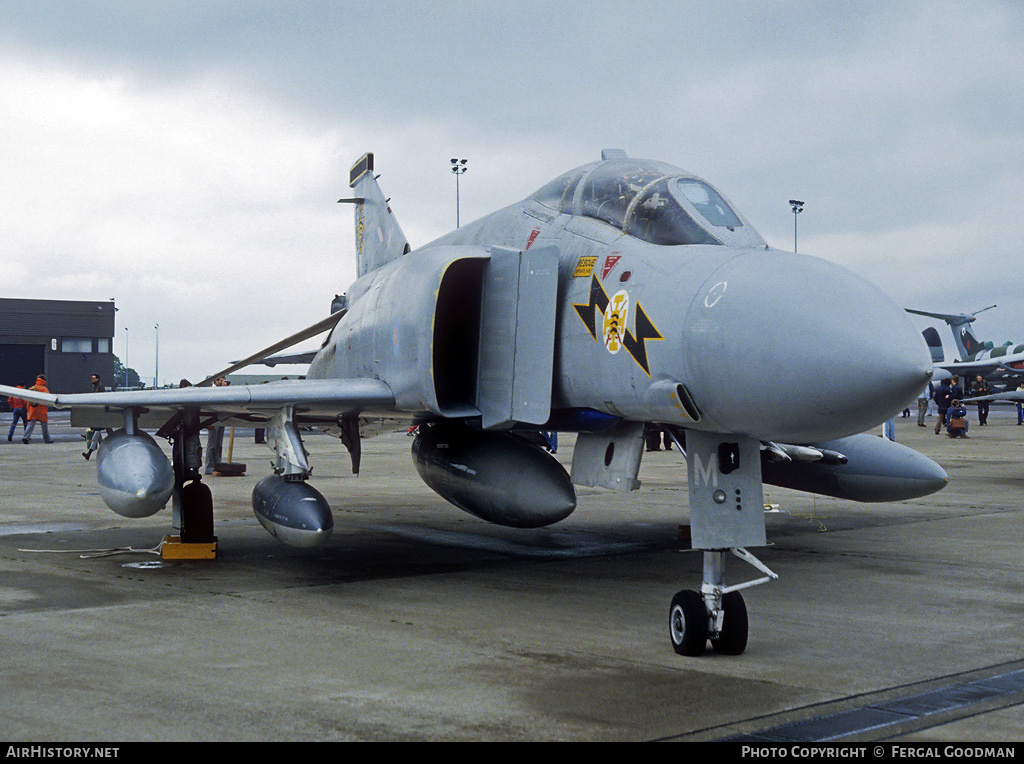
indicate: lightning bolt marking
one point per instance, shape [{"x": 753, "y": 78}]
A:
[
  {"x": 636, "y": 345},
  {"x": 598, "y": 300}
]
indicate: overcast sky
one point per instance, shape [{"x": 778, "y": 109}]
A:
[{"x": 185, "y": 158}]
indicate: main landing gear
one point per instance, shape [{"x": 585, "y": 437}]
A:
[
  {"x": 717, "y": 613},
  {"x": 193, "y": 501}
]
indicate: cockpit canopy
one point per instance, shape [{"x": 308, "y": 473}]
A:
[{"x": 652, "y": 201}]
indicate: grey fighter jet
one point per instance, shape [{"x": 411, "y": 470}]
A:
[{"x": 622, "y": 293}]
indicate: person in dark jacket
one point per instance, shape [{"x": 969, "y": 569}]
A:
[
  {"x": 956, "y": 389},
  {"x": 94, "y": 437},
  {"x": 20, "y": 410},
  {"x": 943, "y": 398},
  {"x": 956, "y": 420},
  {"x": 981, "y": 387}
]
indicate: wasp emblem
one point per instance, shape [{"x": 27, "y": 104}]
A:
[{"x": 613, "y": 331}]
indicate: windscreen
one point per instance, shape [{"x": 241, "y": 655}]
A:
[
  {"x": 708, "y": 202},
  {"x": 658, "y": 218}
]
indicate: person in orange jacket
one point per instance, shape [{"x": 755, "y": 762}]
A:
[
  {"x": 37, "y": 412},
  {"x": 18, "y": 406}
]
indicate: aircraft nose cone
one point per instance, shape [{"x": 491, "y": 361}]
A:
[{"x": 794, "y": 348}]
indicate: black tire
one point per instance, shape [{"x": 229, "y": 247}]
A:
[
  {"x": 688, "y": 623},
  {"x": 733, "y": 639},
  {"x": 196, "y": 513}
]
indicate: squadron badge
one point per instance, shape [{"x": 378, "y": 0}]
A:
[
  {"x": 606, "y": 320},
  {"x": 615, "y": 316}
]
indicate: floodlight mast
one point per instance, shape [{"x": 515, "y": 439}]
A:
[
  {"x": 458, "y": 168},
  {"x": 798, "y": 207}
]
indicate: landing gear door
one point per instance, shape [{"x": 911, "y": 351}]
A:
[
  {"x": 726, "y": 497},
  {"x": 517, "y": 337}
]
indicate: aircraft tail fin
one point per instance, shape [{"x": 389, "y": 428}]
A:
[
  {"x": 931, "y": 338},
  {"x": 972, "y": 345},
  {"x": 379, "y": 238},
  {"x": 959, "y": 325}
]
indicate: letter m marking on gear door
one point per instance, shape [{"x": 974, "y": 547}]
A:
[{"x": 704, "y": 474}]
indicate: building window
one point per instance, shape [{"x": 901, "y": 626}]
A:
[
  {"x": 76, "y": 345},
  {"x": 103, "y": 345}
]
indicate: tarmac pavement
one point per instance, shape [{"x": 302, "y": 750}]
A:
[{"x": 420, "y": 622}]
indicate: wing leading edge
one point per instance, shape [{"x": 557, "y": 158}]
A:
[{"x": 313, "y": 399}]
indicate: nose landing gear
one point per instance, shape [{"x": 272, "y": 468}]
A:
[{"x": 718, "y": 613}]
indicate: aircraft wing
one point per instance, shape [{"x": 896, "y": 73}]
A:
[
  {"x": 976, "y": 367},
  {"x": 311, "y": 331},
  {"x": 315, "y": 400},
  {"x": 291, "y": 358},
  {"x": 1012, "y": 395}
]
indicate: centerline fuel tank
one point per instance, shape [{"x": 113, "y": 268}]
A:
[{"x": 496, "y": 476}]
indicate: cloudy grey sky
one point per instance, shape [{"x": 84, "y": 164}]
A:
[{"x": 185, "y": 157}]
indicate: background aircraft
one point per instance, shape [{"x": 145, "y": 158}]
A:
[
  {"x": 1003, "y": 364},
  {"x": 623, "y": 292}
]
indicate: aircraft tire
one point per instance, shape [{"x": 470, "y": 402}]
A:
[
  {"x": 197, "y": 513},
  {"x": 688, "y": 623},
  {"x": 733, "y": 638}
]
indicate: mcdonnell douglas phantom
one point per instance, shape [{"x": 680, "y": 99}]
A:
[{"x": 623, "y": 292}]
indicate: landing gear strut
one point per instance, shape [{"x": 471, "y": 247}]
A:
[
  {"x": 726, "y": 514},
  {"x": 717, "y": 613},
  {"x": 193, "y": 502}
]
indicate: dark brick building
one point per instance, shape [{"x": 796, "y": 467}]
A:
[{"x": 67, "y": 340}]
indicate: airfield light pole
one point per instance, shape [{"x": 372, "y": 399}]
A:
[
  {"x": 126, "y": 358},
  {"x": 112, "y": 338},
  {"x": 458, "y": 167},
  {"x": 798, "y": 207},
  {"x": 156, "y": 372}
]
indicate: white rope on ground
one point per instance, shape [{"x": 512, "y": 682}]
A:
[{"x": 87, "y": 554}]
